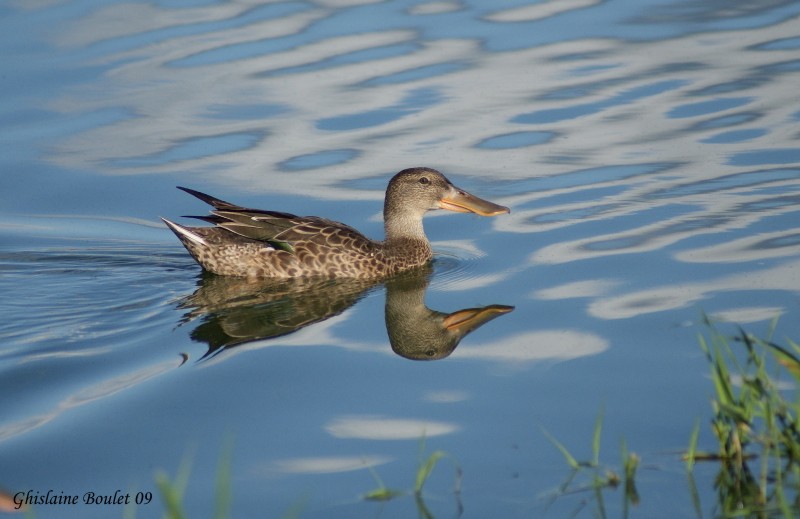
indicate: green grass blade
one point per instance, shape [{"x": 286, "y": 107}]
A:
[
  {"x": 692, "y": 450},
  {"x": 630, "y": 463},
  {"x": 571, "y": 461},
  {"x": 598, "y": 428},
  {"x": 171, "y": 495},
  {"x": 184, "y": 471},
  {"x": 695, "y": 495},
  {"x": 425, "y": 470},
  {"x": 382, "y": 494},
  {"x": 172, "y": 492},
  {"x": 222, "y": 494},
  {"x": 598, "y": 495}
]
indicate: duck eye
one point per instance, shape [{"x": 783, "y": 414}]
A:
[{"x": 424, "y": 181}]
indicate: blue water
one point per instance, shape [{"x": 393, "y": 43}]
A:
[{"x": 648, "y": 151}]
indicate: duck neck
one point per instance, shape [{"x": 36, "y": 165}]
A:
[{"x": 405, "y": 234}]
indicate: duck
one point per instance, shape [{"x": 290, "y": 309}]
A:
[{"x": 257, "y": 243}]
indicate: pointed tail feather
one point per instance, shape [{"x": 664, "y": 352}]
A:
[
  {"x": 216, "y": 220},
  {"x": 184, "y": 233},
  {"x": 216, "y": 203}
]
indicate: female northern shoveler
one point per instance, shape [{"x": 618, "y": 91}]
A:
[{"x": 258, "y": 243}]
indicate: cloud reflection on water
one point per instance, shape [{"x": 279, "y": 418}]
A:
[
  {"x": 633, "y": 115},
  {"x": 656, "y": 142},
  {"x": 677, "y": 295},
  {"x": 385, "y": 428},
  {"x": 327, "y": 464}
]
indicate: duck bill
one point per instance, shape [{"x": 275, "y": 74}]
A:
[
  {"x": 467, "y": 320},
  {"x": 462, "y": 202}
]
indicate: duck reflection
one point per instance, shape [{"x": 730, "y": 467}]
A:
[
  {"x": 235, "y": 311},
  {"x": 416, "y": 332}
]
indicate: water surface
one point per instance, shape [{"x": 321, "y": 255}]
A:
[{"x": 648, "y": 150}]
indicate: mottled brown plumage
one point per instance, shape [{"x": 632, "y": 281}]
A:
[{"x": 258, "y": 243}]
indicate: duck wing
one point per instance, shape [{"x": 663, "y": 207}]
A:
[{"x": 281, "y": 230}]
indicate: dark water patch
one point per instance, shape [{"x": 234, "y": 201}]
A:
[
  {"x": 614, "y": 244},
  {"x": 368, "y": 183},
  {"x": 770, "y": 204},
  {"x": 720, "y": 184},
  {"x": 783, "y": 67},
  {"x": 415, "y": 74},
  {"x": 515, "y": 140},
  {"x": 726, "y": 15},
  {"x": 779, "y": 44},
  {"x": 238, "y": 51},
  {"x": 587, "y": 70},
  {"x": 786, "y": 240},
  {"x": 414, "y": 101},
  {"x": 37, "y": 125},
  {"x": 765, "y": 157},
  {"x": 573, "y": 112},
  {"x": 587, "y": 194},
  {"x": 584, "y": 90},
  {"x": 591, "y": 177},
  {"x": 246, "y": 112},
  {"x": 725, "y": 121},
  {"x": 707, "y": 107},
  {"x": 76, "y": 123},
  {"x": 736, "y": 136},
  {"x": 348, "y": 58},
  {"x": 194, "y": 148},
  {"x": 654, "y": 222},
  {"x": 318, "y": 159},
  {"x": 121, "y": 44},
  {"x": 641, "y": 238},
  {"x": 230, "y": 52},
  {"x": 572, "y": 215},
  {"x": 587, "y": 55},
  {"x": 41, "y": 189},
  {"x": 185, "y": 4},
  {"x": 749, "y": 82},
  {"x": 755, "y": 78},
  {"x": 589, "y": 88}
]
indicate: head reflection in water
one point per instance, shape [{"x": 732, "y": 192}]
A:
[
  {"x": 416, "y": 332},
  {"x": 234, "y": 311}
]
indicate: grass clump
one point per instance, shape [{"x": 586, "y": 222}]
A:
[
  {"x": 426, "y": 465},
  {"x": 755, "y": 425},
  {"x": 172, "y": 491},
  {"x": 591, "y": 476}
]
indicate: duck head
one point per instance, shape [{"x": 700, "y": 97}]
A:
[{"x": 425, "y": 189}]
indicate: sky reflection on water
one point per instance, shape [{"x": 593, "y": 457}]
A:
[{"x": 648, "y": 150}]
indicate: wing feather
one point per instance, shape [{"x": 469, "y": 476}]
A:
[{"x": 280, "y": 230}]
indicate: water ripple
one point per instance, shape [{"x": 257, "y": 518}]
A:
[
  {"x": 648, "y": 151},
  {"x": 413, "y": 101},
  {"x": 580, "y": 110},
  {"x": 58, "y": 302},
  {"x": 615, "y": 131}
]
